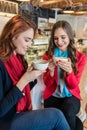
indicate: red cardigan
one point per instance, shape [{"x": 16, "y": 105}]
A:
[{"x": 72, "y": 80}]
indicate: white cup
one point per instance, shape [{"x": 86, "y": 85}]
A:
[{"x": 40, "y": 64}]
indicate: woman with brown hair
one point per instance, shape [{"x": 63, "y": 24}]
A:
[{"x": 64, "y": 72}]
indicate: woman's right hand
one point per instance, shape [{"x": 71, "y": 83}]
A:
[
  {"x": 51, "y": 67},
  {"x": 28, "y": 76}
]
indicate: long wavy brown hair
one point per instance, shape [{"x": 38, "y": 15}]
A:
[
  {"x": 71, "y": 47},
  {"x": 13, "y": 27}
]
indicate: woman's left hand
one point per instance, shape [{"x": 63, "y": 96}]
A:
[{"x": 66, "y": 65}]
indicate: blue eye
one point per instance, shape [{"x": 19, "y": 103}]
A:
[{"x": 29, "y": 40}]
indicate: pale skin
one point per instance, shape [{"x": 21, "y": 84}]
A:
[
  {"x": 22, "y": 42},
  {"x": 61, "y": 40}
]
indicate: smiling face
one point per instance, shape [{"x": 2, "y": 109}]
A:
[
  {"x": 23, "y": 41},
  {"x": 61, "y": 39}
]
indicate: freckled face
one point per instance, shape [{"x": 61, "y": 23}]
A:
[
  {"x": 61, "y": 39},
  {"x": 23, "y": 41}
]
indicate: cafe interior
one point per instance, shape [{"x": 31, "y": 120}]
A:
[{"x": 45, "y": 13}]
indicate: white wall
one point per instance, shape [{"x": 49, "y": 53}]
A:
[
  {"x": 4, "y": 17},
  {"x": 78, "y": 23}
]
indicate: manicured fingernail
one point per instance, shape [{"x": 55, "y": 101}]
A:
[{"x": 56, "y": 62}]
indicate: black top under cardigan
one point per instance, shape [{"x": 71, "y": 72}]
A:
[{"x": 9, "y": 96}]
